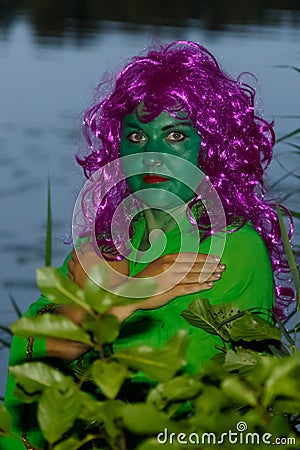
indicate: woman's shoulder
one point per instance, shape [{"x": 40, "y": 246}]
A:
[
  {"x": 244, "y": 246},
  {"x": 246, "y": 235},
  {"x": 246, "y": 239}
]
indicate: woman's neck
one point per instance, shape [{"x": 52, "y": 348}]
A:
[{"x": 164, "y": 220}]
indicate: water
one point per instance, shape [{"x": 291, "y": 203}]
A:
[{"x": 47, "y": 79}]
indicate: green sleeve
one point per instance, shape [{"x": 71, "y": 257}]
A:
[{"x": 18, "y": 355}]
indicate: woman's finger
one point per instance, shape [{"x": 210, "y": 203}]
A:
[
  {"x": 201, "y": 278},
  {"x": 184, "y": 289},
  {"x": 207, "y": 268},
  {"x": 190, "y": 257},
  {"x": 74, "y": 257},
  {"x": 197, "y": 257},
  {"x": 71, "y": 265}
]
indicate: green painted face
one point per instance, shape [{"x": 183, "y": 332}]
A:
[{"x": 154, "y": 143}]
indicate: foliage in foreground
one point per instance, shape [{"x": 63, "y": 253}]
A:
[{"x": 242, "y": 387}]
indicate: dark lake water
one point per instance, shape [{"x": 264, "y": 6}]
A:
[{"x": 48, "y": 71}]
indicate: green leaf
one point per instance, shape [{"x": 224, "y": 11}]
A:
[
  {"x": 177, "y": 345},
  {"x": 75, "y": 444},
  {"x": 143, "y": 419},
  {"x": 101, "y": 300},
  {"x": 241, "y": 360},
  {"x": 34, "y": 377},
  {"x": 280, "y": 425},
  {"x": 283, "y": 380},
  {"x": 58, "y": 409},
  {"x": 251, "y": 327},
  {"x": 97, "y": 297},
  {"x": 211, "y": 402},
  {"x": 105, "y": 329},
  {"x": 179, "y": 388},
  {"x": 59, "y": 289},
  {"x": 199, "y": 315},
  {"x": 108, "y": 329},
  {"x": 70, "y": 443},
  {"x": 211, "y": 318},
  {"x": 259, "y": 374},
  {"x": 238, "y": 391},
  {"x": 135, "y": 290},
  {"x": 5, "y": 421},
  {"x": 50, "y": 326},
  {"x": 107, "y": 413},
  {"x": 92, "y": 410},
  {"x": 112, "y": 416},
  {"x": 286, "y": 405},
  {"x": 109, "y": 376},
  {"x": 167, "y": 442},
  {"x": 125, "y": 294},
  {"x": 159, "y": 364}
]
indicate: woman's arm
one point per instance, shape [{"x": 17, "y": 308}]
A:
[{"x": 186, "y": 273}]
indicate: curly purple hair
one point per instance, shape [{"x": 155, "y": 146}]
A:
[{"x": 236, "y": 144}]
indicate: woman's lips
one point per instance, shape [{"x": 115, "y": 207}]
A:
[{"x": 152, "y": 179}]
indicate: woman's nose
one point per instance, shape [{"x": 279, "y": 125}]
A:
[{"x": 152, "y": 159}]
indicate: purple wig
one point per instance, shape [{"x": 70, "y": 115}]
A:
[{"x": 236, "y": 144}]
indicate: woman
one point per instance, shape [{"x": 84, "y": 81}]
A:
[{"x": 171, "y": 112}]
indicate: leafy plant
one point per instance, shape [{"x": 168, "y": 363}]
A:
[{"x": 241, "y": 384}]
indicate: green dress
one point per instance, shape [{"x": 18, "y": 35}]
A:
[{"x": 247, "y": 281}]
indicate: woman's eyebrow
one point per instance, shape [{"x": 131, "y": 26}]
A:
[{"x": 178, "y": 124}]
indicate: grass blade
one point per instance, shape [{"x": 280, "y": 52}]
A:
[
  {"x": 284, "y": 331},
  {"x": 48, "y": 243},
  {"x": 287, "y": 66},
  {"x": 4, "y": 343},
  {"x": 286, "y": 136},
  {"x": 283, "y": 177},
  {"x": 289, "y": 254},
  {"x": 5, "y": 329},
  {"x": 297, "y": 147},
  {"x": 15, "y": 305},
  {"x": 295, "y": 214}
]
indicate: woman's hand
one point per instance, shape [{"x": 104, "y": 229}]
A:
[
  {"x": 187, "y": 273},
  {"x": 84, "y": 258},
  {"x": 78, "y": 272},
  {"x": 197, "y": 268},
  {"x": 62, "y": 348},
  {"x": 198, "y": 273}
]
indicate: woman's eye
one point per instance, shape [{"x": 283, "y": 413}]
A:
[
  {"x": 136, "y": 137},
  {"x": 176, "y": 136}
]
